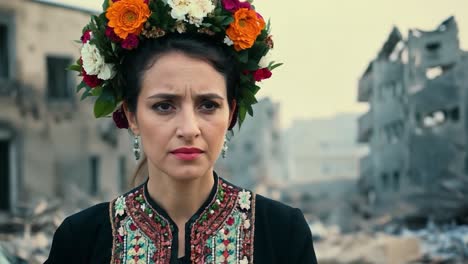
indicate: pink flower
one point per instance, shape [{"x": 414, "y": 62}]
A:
[
  {"x": 86, "y": 36},
  {"x": 120, "y": 119},
  {"x": 91, "y": 80},
  {"x": 233, "y": 5},
  {"x": 130, "y": 42},
  {"x": 111, "y": 35},
  {"x": 261, "y": 74}
]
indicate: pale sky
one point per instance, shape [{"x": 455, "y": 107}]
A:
[{"x": 326, "y": 46}]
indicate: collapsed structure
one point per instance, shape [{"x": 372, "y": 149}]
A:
[
  {"x": 50, "y": 144},
  {"x": 416, "y": 126}
]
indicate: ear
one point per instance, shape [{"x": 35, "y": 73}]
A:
[
  {"x": 132, "y": 120},
  {"x": 233, "y": 114}
]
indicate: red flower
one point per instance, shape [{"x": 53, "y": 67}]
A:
[
  {"x": 234, "y": 5},
  {"x": 91, "y": 80},
  {"x": 261, "y": 74},
  {"x": 86, "y": 36},
  {"x": 120, "y": 119},
  {"x": 130, "y": 42},
  {"x": 230, "y": 221},
  {"x": 112, "y": 36}
]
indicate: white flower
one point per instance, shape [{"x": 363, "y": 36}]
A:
[
  {"x": 244, "y": 261},
  {"x": 192, "y": 11},
  {"x": 92, "y": 59},
  {"x": 107, "y": 72},
  {"x": 265, "y": 60},
  {"x": 244, "y": 199},
  {"x": 247, "y": 224},
  {"x": 143, "y": 207},
  {"x": 94, "y": 64},
  {"x": 179, "y": 8},
  {"x": 199, "y": 9},
  {"x": 228, "y": 41}
]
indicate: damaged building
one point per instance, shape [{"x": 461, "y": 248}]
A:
[
  {"x": 51, "y": 146},
  {"x": 256, "y": 156},
  {"x": 417, "y": 122}
]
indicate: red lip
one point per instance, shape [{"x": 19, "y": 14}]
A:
[
  {"x": 187, "y": 154},
  {"x": 187, "y": 150}
]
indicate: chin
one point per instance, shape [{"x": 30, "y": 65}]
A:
[{"x": 187, "y": 173}]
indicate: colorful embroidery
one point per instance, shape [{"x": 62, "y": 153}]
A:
[{"x": 223, "y": 232}]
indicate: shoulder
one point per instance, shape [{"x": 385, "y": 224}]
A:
[
  {"x": 283, "y": 230},
  {"x": 79, "y": 233},
  {"x": 279, "y": 211},
  {"x": 87, "y": 218}
]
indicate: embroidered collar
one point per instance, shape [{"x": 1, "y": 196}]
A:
[{"x": 221, "y": 231}]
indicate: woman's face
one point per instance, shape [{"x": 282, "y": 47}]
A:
[{"x": 182, "y": 116}]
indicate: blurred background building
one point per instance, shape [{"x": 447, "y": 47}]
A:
[
  {"x": 256, "y": 156},
  {"x": 416, "y": 126},
  {"x": 50, "y": 144}
]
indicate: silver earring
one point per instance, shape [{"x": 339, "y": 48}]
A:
[
  {"x": 136, "y": 148},
  {"x": 225, "y": 148}
]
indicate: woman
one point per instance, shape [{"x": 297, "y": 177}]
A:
[{"x": 180, "y": 77}]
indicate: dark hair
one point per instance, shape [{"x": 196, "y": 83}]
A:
[{"x": 203, "y": 47}]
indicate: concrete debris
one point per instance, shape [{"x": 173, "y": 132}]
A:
[
  {"x": 432, "y": 244},
  {"x": 26, "y": 236},
  {"x": 446, "y": 245}
]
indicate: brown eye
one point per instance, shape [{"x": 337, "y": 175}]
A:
[
  {"x": 163, "y": 107},
  {"x": 209, "y": 106}
]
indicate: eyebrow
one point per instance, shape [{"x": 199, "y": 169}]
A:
[{"x": 169, "y": 96}]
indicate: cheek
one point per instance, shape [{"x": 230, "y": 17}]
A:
[{"x": 154, "y": 132}]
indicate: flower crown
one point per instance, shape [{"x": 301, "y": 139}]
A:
[{"x": 109, "y": 36}]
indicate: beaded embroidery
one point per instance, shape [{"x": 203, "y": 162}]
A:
[{"x": 222, "y": 233}]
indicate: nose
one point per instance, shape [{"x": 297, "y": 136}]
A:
[{"x": 188, "y": 126}]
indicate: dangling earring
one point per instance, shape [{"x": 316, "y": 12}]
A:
[
  {"x": 225, "y": 148},
  {"x": 136, "y": 147}
]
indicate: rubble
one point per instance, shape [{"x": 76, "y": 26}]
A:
[
  {"x": 26, "y": 236},
  {"x": 432, "y": 244}
]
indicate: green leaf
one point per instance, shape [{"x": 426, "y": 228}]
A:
[
  {"x": 81, "y": 86},
  {"x": 246, "y": 78},
  {"x": 250, "y": 110},
  {"x": 268, "y": 26},
  {"x": 273, "y": 66},
  {"x": 227, "y": 21},
  {"x": 248, "y": 96},
  {"x": 251, "y": 65},
  {"x": 244, "y": 56},
  {"x": 242, "y": 113},
  {"x": 114, "y": 46},
  {"x": 74, "y": 67},
  {"x": 86, "y": 93},
  {"x": 105, "y": 104},
  {"x": 105, "y": 5},
  {"x": 254, "y": 88},
  {"x": 96, "y": 91}
]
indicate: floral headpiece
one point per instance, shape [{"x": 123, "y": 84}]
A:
[{"x": 124, "y": 24}]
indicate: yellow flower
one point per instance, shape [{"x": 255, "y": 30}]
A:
[{"x": 128, "y": 17}]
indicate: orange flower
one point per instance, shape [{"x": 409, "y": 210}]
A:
[
  {"x": 127, "y": 17},
  {"x": 245, "y": 28}
]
